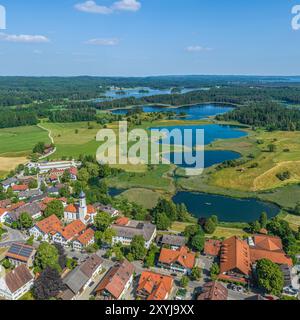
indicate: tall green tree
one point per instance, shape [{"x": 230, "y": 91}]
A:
[
  {"x": 25, "y": 221},
  {"x": 46, "y": 256},
  {"x": 137, "y": 248},
  {"x": 55, "y": 207},
  {"x": 102, "y": 221}
]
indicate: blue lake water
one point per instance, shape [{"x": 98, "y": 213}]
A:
[
  {"x": 227, "y": 209},
  {"x": 195, "y": 112}
]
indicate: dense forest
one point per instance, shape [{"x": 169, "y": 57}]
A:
[
  {"x": 16, "y": 91},
  {"x": 271, "y": 116},
  {"x": 10, "y": 119},
  {"x": 73, "y": 115}
]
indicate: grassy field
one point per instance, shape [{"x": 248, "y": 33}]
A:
[
  {"x": 144, "y": 197},
  {"x": 223, "y": 232},
  {"x": 294, "y": 221},
  {"x": 16, "y": 144},
  {"x": 180, "y": 226}
]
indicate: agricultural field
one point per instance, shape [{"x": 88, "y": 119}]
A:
[{"x": 144, "y": 197}]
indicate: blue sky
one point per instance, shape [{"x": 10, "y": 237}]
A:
[{"x": 149, "y": 37}]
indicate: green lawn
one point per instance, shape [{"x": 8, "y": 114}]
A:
[
  {"x": 18, "y": 142},
  {"x": 144, "y": 197}
]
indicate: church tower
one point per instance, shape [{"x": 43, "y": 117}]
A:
[{"x": 82, "y": 207}]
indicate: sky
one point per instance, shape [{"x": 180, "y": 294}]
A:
[{"x": 149, "y": 37}]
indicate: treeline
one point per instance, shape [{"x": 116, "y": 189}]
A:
[
  {"x": 271, "y": 116},
  {"x": 74, "y": 115},
  {"x": 10, "y": 119}
]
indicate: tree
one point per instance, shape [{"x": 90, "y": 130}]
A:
[
  {"x": 108, "y": 235},
  {"x": 25, "y": 221},
  {"x": 62, "y": 259},
  {"x": 102, "y": 221},
  {"x": 297, "y": 209},
  {"x": 269, "y": 277},
  {"x": 163, "y": 222},
  {"x": 30, "y": 241},
  {"x": 272, "y": 147},
  {"x": 191, "y": 230},
  {"x": 196, "y": 273},
  {"x": 39, "y": 148},
  {"x": 48, "y": 284},
  {"x": 254, "y": 226},
  {"x": 55, "y": 207},
  {"x": 6, "y": 264},
  {"x": 210, "y": 226},
  {"x": 33, "y": 184},
  {"x": 167, "y": 207},
  {"x": 137, "y": 248},
  {"x": 46, "y": 256},
  {"x": 263, "y": 220},
  {"x": 214, "y": 271},
  {"x": 151, "y": 255},
  {"x": 184, "y": 282},
  {"x": 198, "y": 241}
]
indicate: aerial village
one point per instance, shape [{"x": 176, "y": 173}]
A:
[{"x": 57, "y": 243}]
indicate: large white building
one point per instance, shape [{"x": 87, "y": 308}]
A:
[
  {"x": 16, "y": 283},
  {"x": 80, "y": 211},
  {"x": 45, "y": 167}
]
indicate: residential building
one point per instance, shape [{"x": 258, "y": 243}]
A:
[
  {"x": 9, "y": 183},
  {"x": 33, "y": 209},
  {"x": 20, "y": 253},
  {"x": 268, "y": 247},
  {"x": 107, "y": 209},
  {"x": 4, "y": 215},
  {"x": 45, "y": 167},
  {"x": 213, "y": 291},
  {"x": 212, "y": 247},
  {"x": 65, "y": 235},
  {"x": 19, "y": 188},
  {"x": 154, "y": 286},
  {"x": 29, "y": 194},
  {"x": 180, "y": 260},
  {"x": 16, "y": 283},
  {"x": 81, "y": 211},
  {"x": 45, "y": 229},
  {"x": 116, "y": 282},
  {"x": 86, "y": 239},
  {"x": 81, "y": 277},
  {"x": 235, "y": 264},
  {"x": 175, "y": 242},
  {"x": 126, "y": 232}
]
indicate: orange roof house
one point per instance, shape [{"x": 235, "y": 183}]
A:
[
  {"x": 123, "y": 221},
  {"x": 49, "y": 225},
  {"x": 116, "y": 282},
  {"x": 19, "y": 188},
  {"x": 181, "y": 260},
  {"x": 235, "y": 257},
  {"x": 212, "y": 247},
  {"x": 86, "y": 237},
  {"x": 268, "y": 247},
  {"x": 154, "y": 286},
  {"x": 213, "y": 291},
  {"x": 73, "y": 229}
]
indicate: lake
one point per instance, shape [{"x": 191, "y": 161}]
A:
[
  {"x": 227, "y": 209},
  {"x": 195, "y": 112}
]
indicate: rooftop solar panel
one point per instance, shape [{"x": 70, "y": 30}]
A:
[{"x": 20, "y": 250}]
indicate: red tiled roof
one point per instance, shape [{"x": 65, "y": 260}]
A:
[
  {"x": 116, "y": 279},
  {"x": 16, "y": 205},
  {"x": 182, "y": 256},
  {"x": 213, "y": 291},
  {"x": 86, "y": 236},
  {"x": 155, "y": 286},
  {"x": 2, "y": 211},
  {"x": 91, "y": 209},
  {"x": 212, "y": 247},
  {"x": 73, "y": 171},
  {"x": 269, "y": 247},
  {"x": 123, "y": 221},
  {"x": 235, "y": 254},
  {"x": 22, "y": 187},
  {"x": 73, "y": 229},
  {"x": 50, "y": 225},
  {"x": 71, "y": 208}
]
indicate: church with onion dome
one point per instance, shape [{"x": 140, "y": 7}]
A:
[{"x": 80, "y": 211}]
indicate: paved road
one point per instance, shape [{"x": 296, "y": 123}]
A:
[{"x": 13, "y": 236}]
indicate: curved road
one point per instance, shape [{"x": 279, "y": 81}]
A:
[
  {"x": 52, "y": 141},
  {"x": 13, "y": 236}
]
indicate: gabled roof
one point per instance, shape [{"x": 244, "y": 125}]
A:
[
  {"x": 181, "y": 256},
  {"x": 73, "y": 229},
  {"x": 86, "y": 236},
  {"x": 116, "y": 279},
  {"x": 212, "y": 247},
  {"x": 22, "y": 187},
  {"x": 17, "y": 278},
  {"x": 50, "y": 225},
  {"x": 71, "y": 208},
  {"x": 266, "y": 242},
  {"x": 235, "y": 254},
  {"x": 3, "y": 211},
  {"x": 213, "y": 291},
  {"x": 155, "y": 285},
  {"x": 173, "y": 240}
]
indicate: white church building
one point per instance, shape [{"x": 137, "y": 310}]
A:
[{"x": 80, "y": 211}]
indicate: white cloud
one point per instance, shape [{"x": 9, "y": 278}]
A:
[
  {"x": 23, "y": 38},
  {"x": 103, "y": 42},
  {"x": 91, "y": 6},
  {"x": 37, "y": 51},
  {"x": 127, "y": 5},
  {"x": 197, "y": 49}
]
